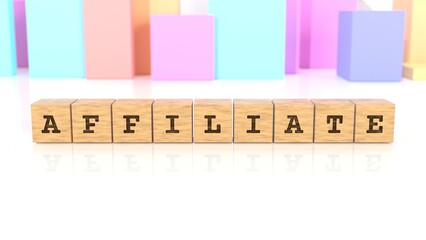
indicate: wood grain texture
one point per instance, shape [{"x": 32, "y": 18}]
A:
[
  {"x": 44, "y": 112},
  {"x": 132, "y": 120},
  {"x": 219, "y": 111},
  {"x": 167, "y": 111},
  {"x": 249, "y": 111},
  {"x": 328, "y": 111},
  {"x": 374, "y": 120},
  {"x": 285, "y": 121},
  {"x": 96, "y": 113}
]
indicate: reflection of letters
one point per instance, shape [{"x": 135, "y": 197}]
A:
[
  {"x": 172, "y": 123},
  {"x": 373, "y": 163},
  {"x": 50, "y": 123},
  {"x": 294, "y": 123},
  {"x": 90, "y": 124},
  {"x": 132, "y": 165},
  {"x": 52, "y": 162},
  {"x": 253, "y": 123},
  {"x": 253, "y": 163},
  {"x": 333, "y": 166},
  {"x": 372, "y": 124},
  {"x": 173, "y": 163},
  {"x": 335, "y": 118},
  {"x": 91, "y": 164},
  {"x": 210, "y": 159},
  {"x": 293, "y": 163},
  {"x": 209, "y": 124}
]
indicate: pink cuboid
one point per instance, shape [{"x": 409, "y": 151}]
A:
[
  {"x": 182, "y": 47},
  {"x": 292, "y": 37},
  {"x": 21, "y": 33},
  {"x": 319, "y": 31}
]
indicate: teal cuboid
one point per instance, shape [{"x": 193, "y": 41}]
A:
[
  {"x": 7, "y": 39},
  {"x": 250, "y": 38},
  {"x": 55, "y": 38}
]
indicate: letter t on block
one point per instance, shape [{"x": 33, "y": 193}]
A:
[
  {"x": 374, "y": 120},
  {"x": 51, "y": 120},
  {"x": 92, "y": 121}
]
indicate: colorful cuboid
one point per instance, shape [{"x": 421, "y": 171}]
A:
[
  {"x": 415, "y": 37},
  {"x": 21, "y": 33},
  {"x": 319, "y": 31},
  {"x": 250, "y": 38},
  {"x": 371, "y": 46},
  {"x": 141, "y": 36},
  {"x": 164, "y": 6},
  {"x": 109, "y": 39},
  {"x": 194, "y": 7},
  {"x": 182, "y": 47},
  {"x": 292, "y": 48},
  {"x": 7, "y": 39},
  {"x": 55, "y": 38}
]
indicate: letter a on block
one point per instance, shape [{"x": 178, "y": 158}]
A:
[
  {"x": 91, "y": 120},
  {"x": 374, "y": 120},
  {"x": 334, "y": 120},
  {"x": 51, "y": 121}
]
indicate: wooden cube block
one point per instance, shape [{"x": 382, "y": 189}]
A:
[
  {"x": 334, "y": 120},
  {"x": 253, "y": 120},
  {"x": 132, "y": 120},
  {"x": 172, "y": 121},
  {"x": 92, "y": 120},
  {"x": 374, "y": 120},
  {"x": 293, "y": 120},
  {"x": 51, "y": 120},
  {"x": 213, "y": 120}
]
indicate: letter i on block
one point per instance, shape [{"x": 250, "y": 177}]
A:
[
  {"x": 253, "y": 121},
  {"x": 213, "y": 121},
  {"x": 293, "y": 121},
  {"x": 132, "y": 120},
  {"x": 334, "y": 121},
  {"x": 92, "y": 121},
  {"x": 51, "y": 120},
  {"x": 172, "y": 121},
  {"x": 374, "y": 120}
]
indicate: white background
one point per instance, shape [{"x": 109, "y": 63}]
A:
[{"x": 204, "y": 191}]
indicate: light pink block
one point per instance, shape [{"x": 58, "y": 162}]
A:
[
  {"x": 319, "y": 29},
  {"x": 292, "y": 49},
  {"x": 108, "y": 33},
  {"x": 182, "y": 47}
]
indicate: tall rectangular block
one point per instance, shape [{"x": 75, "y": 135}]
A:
[
  {"x": 182, "y": 47},
  {"x": 415, "y": 38},
  {"x": 142, "y": 39},
  {"x": 319, "y": 31},
  {"x": 55, "y": 38},
  {"x": 7, "y": 39},
  {"x": 108, "y": 35},
  {"x": 250, "y": 38},
  {"x": 415, "y": 71},
  {"x": 21, "y": 33},
  {"x": 292, "y": 48},
  {"x": 194, "y": 7},
  {"x": 371, "y": 46},
  {"x": 165, "y": 6}
]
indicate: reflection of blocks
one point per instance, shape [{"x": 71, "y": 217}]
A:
[
  {"x": 334, "y": 120},
  {"x": 292, "y": 160},
  {"x": 55, "y": 38},
  {"x": 253, "y": 159},
  {"x": 164, "y": 6},
  {"x": 213, "y": 159},
  {"x": 173, "y": 160},
  {"x": 93, "y": 161},
  {"x": 132, "y": 120},
  {"x": 213, "y": 120},
  {"x": 333, "y": 160},
  {"x": 415, "y": 71},
  {"x": 182, "y": 47},
  {"x": 172, "y": 120},
  {"x": 371, "y": 45},
  {"x": 91, "y": 120},
  {"x": 108, "y": 37},
  {"x": 133, "y": 160},
  {"x": 51, "y": 120},
  {"x": 293, "y": 120},
  {"x": 374, "y": 120},
  {"x": 7, "y": 39},
  {"x": 253, "y": 120}
]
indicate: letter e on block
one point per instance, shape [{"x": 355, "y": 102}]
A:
[
  {"x": 213, "y": 120},
  {"x": 51, "y": 120},
  {"x": 253, "y": 121},
  {"x": 334, "y": 121},
  {"x": 374, "y": 120},
  {"x": 132, "y": 120},
  {"x": 293, "y": 121},
  {"x": 92, "y": 120},
  {"x": 172, "y": 121}
]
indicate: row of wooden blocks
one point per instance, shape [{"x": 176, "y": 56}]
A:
[{"x": 215, "y": 120}]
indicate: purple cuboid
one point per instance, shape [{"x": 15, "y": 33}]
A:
[
  {"x": 292, "y": 37},
  {"x": 182, "y": 47},
  {"x": 371, "y": 46}
]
